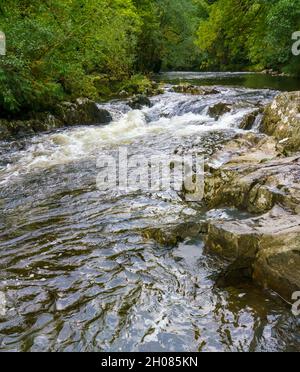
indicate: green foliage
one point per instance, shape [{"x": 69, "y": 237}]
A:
[
  {"x": 57, "y": 48},
  {"x": 244, "y": 33},
  {"x": 168, "y": 34},
  {"x": 137, "y": 84},
  {"x": 150, "y": 41},
  {"x": 179, "y": 23},
  {"x": 62, "y": 49}
]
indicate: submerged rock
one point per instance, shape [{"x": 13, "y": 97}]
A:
[
  {"x": 194, "y": 90},
  {"x": 218, "y": 110},
  {"x": 139, "y": 101},
  {"x": 282, "y": 120},
  {"x": 172, "y": 235}
]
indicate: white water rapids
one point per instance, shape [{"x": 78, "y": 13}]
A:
[{"x": 76, "y": 268}]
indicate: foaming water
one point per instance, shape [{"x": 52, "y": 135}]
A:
[
  {"x": 173, "y": 115},
  {"x": 79, "y": 273}
]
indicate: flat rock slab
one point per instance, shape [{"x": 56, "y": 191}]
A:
[
  {"x": 265, "y": 247},
  {"x": 251, "y": 173}
]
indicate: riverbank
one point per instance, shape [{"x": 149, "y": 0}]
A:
[
  {"x": 257, "y": 172},
  {"x": 82, "y": 111},
  {"x": 140, "y": 262},
  {"x": 260, "y": 174}
]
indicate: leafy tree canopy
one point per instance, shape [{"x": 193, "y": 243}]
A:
[{"x": 63, "y": 49}]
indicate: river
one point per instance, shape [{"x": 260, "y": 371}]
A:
[{"x": 77, "y": 271}]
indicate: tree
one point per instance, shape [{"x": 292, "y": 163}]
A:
[
  {"x": 252, "y": 34},
  {"x": 58, "y": 49}
]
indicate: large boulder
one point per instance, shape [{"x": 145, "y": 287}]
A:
[
  {"x": 218, "y": 110},
  {"x": 139, "y": 101},
  {"x": 282, "y": 120},
  {"x": 251, "y": 173},
  {"x": 83, "y": 111},
  {"x": 10, "y": 129},
  {"x": 265, "y": 249},
  {"x": 255, "y": 188}
]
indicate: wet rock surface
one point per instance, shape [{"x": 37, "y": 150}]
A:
[
  {"x": 251, "y": 173},
  {"x": 218, "y": 110},
  {"x": 83, "y": 111},
  {"x": 250, "y": 119},
  {"x": 194, "y": 89},
  {"x": 282, "y": 120},
  {"x": 21, "y": 128},
  {"x": 254, "y": 180},
  {"x": 139, "y": 101},
  {"x": 172, "y": 235},
  {"x": 265, "y": 248}
]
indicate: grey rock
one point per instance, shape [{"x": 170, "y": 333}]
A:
[
  {"x": 218, "y": 110},
  {"x": 139, "y": 101},
  {"x": 282, "y": 120},
  {"x": 82, "y": 112},
  {"x": 195, "y": 90},
  {"x": 265, "y": 249}
]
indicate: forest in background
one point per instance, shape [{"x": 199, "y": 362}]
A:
[{"x": 63, "y": 49}]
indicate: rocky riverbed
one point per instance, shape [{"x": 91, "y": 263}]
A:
[
  {"x": 90, "y": 270},
  {"x": 253, "y": 172},
  {"x": 258, "y": 172}
]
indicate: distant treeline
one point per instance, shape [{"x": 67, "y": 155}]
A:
[
  {"x": 64, "y": 49},
  {"x": 253, "y": 34}
]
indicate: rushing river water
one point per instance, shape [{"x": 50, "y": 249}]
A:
[{"x": 78, "y": 273}]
